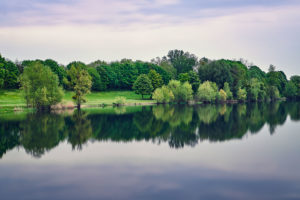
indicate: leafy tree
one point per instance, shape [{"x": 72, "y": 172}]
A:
[
  {"x": 58, "y": 70},
  {"x": 291, "y": 90},
  {"x": 254, "y": 90},
  {"x": 216, "y": 71},
  {"x": 143, "y": 85},
  {"x": 222, "y": 95},
  {"x": 228, "y": 91},
  {"x": 242, "y": 94},
  {"x": 182, "y": 61},
  {"x": 97, "y": 84},
  {"x": 208, "y": 91},
  {"x": 256, "y": 72},
  {"x": 155, "y": 78},
  {"x": 11, "y": 75},
  {"x": 182, "y": 92},
  {"x": 277, "y": 79},
  {"x": 163, "y": 95},
  {"x": 183, "y": 77},
  {"x": 40, "y": 86},
  {"x": 296, "y": 81},
  {"x": 194, "y": 80},
  {"x": 81, "y": 82},
  {"x": 273, "y": 93}
]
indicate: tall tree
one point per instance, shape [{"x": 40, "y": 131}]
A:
[
  {"x": 155, "y": 79},
  {"x": 40, "y": 86},
  {"x": 182, "y": 61},
  {"x": 80, "y": 82}
]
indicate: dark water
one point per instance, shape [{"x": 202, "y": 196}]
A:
[{"x": 164, "y": 152}]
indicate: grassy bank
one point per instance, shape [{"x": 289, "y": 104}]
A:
[{"x": 13, "y": 99}]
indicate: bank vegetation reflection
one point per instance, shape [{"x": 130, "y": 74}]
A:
[{"x": 178, "y": 126}]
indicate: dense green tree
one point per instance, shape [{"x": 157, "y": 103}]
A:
[
  {"x": 273, "y": 93},
  {"x": 155, "y": 78},
  {"x": 222, "y": 95},
  {"x": 296, "y": 81},
  {"x": 143, "y": 85},
  {"x": 255, "y": 90},
  {"x": 277, "y": 79},
  {"x": 194, "y": 80},
  {"x": 291, "y": 90},
  {"x": 256, "y": 72},
  {"x": 182, "y": 61},
  {"x": 57, "y": 69},
  {"x": 9, "y": 74},
  {"x": 216, "y": 71},
  {"x": 97, "y": 84},
  {"x": 208, "y": 91},
  {"x": 40, "y": 86},
  {"x": 227, "y": 90},
  {"x": 183, "y": 77},
  {"x": 81, "y": 82}
]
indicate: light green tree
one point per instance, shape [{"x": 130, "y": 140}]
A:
[
  {"x": 207, "y": 91},
  {"x": 228, "y": 91},
  {"x": 81, "y": 82},
  {"x": 182, "y": 92},
  {"x": 142, "y": 85},
  {"x": 40, "y": 86},
  {"x": 163, "y": 95},
  {"x": 241, "y": 94}
]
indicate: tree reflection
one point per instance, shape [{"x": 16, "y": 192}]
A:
[
  {"x": 176, "y": 125},
  {"x": 41, "y": 132},
  {"x": 79, "y": 129}
]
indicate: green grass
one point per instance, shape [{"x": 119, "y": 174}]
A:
[{"x": 9, "y": 99}]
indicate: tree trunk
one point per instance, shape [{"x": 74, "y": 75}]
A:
[{"x": 78, "y": 106}]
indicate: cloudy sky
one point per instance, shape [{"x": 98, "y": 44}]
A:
[{"x": 263, "y": 32}]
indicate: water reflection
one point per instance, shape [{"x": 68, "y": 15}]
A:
[{"x": 178, "y": 126}]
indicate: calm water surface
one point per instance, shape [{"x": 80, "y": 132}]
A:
[{"x": 162, "y": 152}]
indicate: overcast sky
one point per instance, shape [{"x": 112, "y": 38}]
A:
[{"x": 263, "y": 32}]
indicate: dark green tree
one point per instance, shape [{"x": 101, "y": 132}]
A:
[
  {"x": 182, "y": 61},
  {"x": 143, "y": 85}
]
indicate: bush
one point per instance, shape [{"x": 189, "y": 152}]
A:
[
  {"x": 163, "y": 95},
  {"x": 222, "y": 95},
  {"x": 241, "y": 94},
  {"x": 119, "y": 101},
  {"x": 182, "y": 92},
  {"x": 228, "y": 91},
  {"x": 208, "y": 91}
]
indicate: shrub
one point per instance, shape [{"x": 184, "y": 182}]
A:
[
  {"x": 163, "y": 95},
  {"x": 119, "y": 101},
  {"x": 241, "y": 94},
  {"x": 182, "y": 92},
  {"x": 222, "y": 95},
  {"x": 208, "y": 91}
]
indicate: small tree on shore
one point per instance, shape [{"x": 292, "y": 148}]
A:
[
  {"x": 143, "y": 85},
  {"x": 40, "y": 86},
  {"x": 81, "y": 82}
]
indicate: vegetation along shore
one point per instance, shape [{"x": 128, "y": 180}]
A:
[{"x": 178, "y": 77}]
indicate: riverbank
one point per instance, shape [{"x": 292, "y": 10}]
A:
[{"x": 12, "y": 100}]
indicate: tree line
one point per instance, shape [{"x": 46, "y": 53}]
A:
[{"x": 177, "y": 77}]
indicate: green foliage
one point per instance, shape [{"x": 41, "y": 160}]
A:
[
  {"x": 9, "y": 74},
  {"x": 255, "y": 90},
  {"x": 207, "y": 91},
  {"x": 182, "y": 61},
  {"x": 80, "y": 82},
  {"x": 277, "y": 79},
  {"x": 163, "y": 95},
  {"x": 183, "y": 77},
  {"x": 155, "y": 78},
  {"x": 40, "y": 86},
  {"x": 58, "y": 70},
  {"x": 194, "y": 80},
  {"x": 273, "y": 93},
  {"x": 97, "y": 84},
  {"x": 182, "y": 92},
  {"x": 119, "y": 101},
  {"x": 228, "y": 91},
  {"x": 142, "y": 85},
  {"x": 291, "y": 90},
  {"x": 222, "y": 95},
  {"x": 242, "y": 94}
]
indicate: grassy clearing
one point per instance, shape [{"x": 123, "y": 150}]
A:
[{"x": 11, "y": 99}]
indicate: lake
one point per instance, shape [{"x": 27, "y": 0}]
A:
[{"x": 241, "y": 151}]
